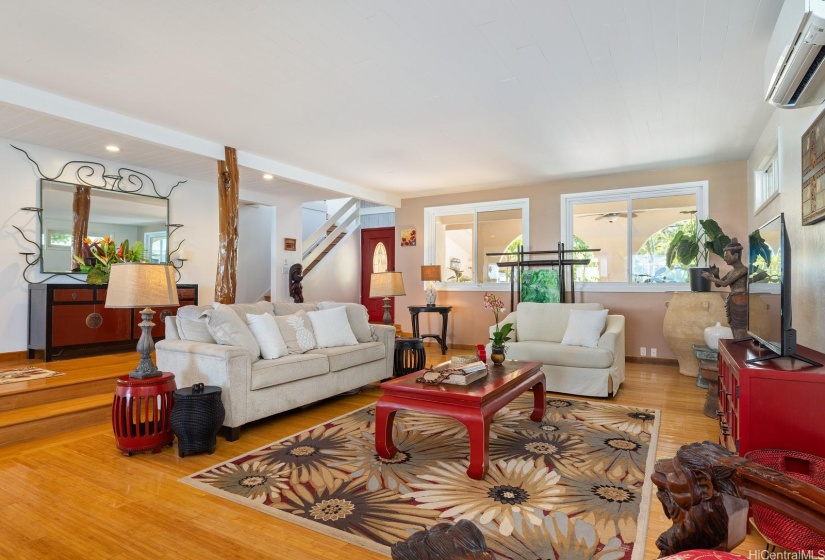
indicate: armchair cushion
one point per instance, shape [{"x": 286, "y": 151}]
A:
[
  {"x": 560, "y": 355},
  {"x": 547, "y": 321}
]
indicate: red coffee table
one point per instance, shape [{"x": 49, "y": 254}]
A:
[{"x": 473, "y": 405}]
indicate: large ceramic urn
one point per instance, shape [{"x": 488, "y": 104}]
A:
[{"x": 687, "y": 316}]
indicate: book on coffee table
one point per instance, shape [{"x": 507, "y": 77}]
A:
[{"x": 469, "y": 373}]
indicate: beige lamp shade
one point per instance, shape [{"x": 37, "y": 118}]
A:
[
  {"x": 431, "y": 273},
  {"x": 386, "y": 284},
  {"x": 141, "y": 285}
]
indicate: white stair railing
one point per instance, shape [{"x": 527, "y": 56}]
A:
[{"x": 317, "y": 243}]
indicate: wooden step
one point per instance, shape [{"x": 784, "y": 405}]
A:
[
  {"x": 41, "y": 420},
  {"x": 55, "y": 389}
]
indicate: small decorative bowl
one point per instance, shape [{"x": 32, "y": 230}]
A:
[{"x": 463, "y": 360}]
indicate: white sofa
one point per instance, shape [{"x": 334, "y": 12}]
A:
[
  {"x": 257, "y": 388},
  {"x": 538, "y": 329}
]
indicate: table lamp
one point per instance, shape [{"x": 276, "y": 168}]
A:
[
  {"x": 431, "y": 273},
  {"x": 386, "y": 285},
  {"x": 144, "y": 285}
]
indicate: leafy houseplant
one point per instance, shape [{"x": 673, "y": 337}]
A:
[
  {"x": 692, "y": 245},
  {"x": 104, "y": 253}
]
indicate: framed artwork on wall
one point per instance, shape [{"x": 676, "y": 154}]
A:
[
  {"x": 289, "y": 244},
  {"x": 408, "y": 236},
  {"x": 813, "y": 172}
]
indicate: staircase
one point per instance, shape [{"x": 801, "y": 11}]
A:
[
  {"x": 322, "y": 241},
  {"x": 326, "y": 251},
  {"x": 80, "y": 398}
]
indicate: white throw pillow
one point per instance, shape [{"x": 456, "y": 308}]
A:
[
  {"x": 358, "y": 318},
  {"x": 269, "y": 338},
  {"x": 584, "y": 328},
  {"x": 332, "y": 328}
]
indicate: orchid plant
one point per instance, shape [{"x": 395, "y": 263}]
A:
[{"x": 501, "y": 334}]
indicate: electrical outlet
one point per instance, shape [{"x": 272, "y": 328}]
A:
[
  {"x": 643, "y": 351},
  {"x": 652, "y": 352}
]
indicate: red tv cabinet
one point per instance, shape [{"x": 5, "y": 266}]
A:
[{"x": 774, "y": 404}]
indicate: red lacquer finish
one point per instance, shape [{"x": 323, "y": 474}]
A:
[
  {"x": 473, "y": 405},
  {"x": 774, "y": 404},
  {"x": 141, "y": 412}
]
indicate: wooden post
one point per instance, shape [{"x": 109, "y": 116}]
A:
[
  {"x": 228, "y": 186},
  {"x": 81, "y": 203}
]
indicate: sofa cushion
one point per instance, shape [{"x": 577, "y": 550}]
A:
[
  {"x": 257, "y": 308},
  {"x": 546, "y": 321},
  {"x": 227, "y": 328},
  {"x": 556, "y": 354},
  {"x": 331, "y": 328},
  {"x": 194, "y": 331},
  {"x": 297, "y": 332},
  {"x": 268, "y": 335},
  {"x": 289, "y": 308},
  {"x": 268, "y": 373},
  {"x": 584, "y": 327},
  {"x": 358, "y": 318},
  {"x": 344, "y": 357}
]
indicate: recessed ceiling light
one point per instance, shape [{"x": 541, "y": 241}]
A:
[
  {"x": 268, "y": 176},
  {"x": 112, "y": 148}
]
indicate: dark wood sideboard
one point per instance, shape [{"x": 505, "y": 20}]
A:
[
  {"x": 72, "y": 318},
  {"x": 774, "y": 404}
]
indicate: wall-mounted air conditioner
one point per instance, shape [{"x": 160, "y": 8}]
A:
[{"x": 794, "y": 70}]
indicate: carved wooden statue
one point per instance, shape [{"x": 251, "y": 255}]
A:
[
  {"x": 296, "y": 291},
  {"x": 702, "y": 490},
  {"x": 462, "y": 541},
  {"x": 736, "y": 304}
]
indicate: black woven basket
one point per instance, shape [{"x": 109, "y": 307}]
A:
[{"x": 197, "y": 415}]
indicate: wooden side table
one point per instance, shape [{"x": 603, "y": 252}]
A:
[
  {"x": 140, "y": 413},
  {"x": 444, "y": 310},
  {"x": 196, "y": 418}
]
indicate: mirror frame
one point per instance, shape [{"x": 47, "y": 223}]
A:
[{"x": 127, "y": 197}]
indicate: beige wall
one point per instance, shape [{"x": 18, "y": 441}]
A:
[
  {"x": 807, "y": 242},
  {"x": 644, "y": 312}
]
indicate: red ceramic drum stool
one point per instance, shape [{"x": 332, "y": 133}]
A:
[{"x": 141, "y": 411}]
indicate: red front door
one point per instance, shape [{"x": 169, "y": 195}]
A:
[{"x": 377, "y": 255}]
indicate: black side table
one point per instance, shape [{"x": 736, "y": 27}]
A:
[
  {"x": 444, "y": 310},
  {"x": 409, "y": 356},
  {"x": 196, "y": 418}
]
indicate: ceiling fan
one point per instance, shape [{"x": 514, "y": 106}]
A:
[{"x": 613, "y": 216}]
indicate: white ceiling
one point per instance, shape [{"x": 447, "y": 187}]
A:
[{"x": 408, "y": 97}]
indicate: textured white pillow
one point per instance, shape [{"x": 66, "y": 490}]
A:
[
  {"x": 332, "y": 328},
  {"x": 297, "y": 332},
  {"x": 584, "y": 328},
  {"x": 358, "y": 318},
  {"x": 269, "y": 338},
  {"x": 227, "y": 328}
]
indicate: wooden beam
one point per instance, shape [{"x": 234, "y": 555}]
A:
[
  {"x": 228, "y": 188},
  {"x": 81, "y": 204}
]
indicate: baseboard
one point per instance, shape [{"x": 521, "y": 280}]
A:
[{"x": 648, "y": 360}]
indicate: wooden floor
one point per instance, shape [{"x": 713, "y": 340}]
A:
[{"x": 74, "y": 495}]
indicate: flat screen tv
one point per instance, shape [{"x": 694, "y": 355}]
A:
[{"x": 769, "y": 276}]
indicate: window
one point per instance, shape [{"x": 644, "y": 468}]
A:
[
  {"x": 766, "y": 177},
  {"x": 57, "y": 238},
  {"x": 459, "y": 238},
  {"x": 631, "y": 228}
]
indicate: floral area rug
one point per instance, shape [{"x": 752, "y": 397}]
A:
[
  {"x": 13, "y": 375},
  {"x": 573, "y": 485}
]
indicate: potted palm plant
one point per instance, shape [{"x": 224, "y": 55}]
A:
[{"x": 692, "y": 245}]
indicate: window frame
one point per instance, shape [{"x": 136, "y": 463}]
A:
[
  {"x": 433, "y": 212},
  {"x": 772, "y": 158},
  {"x": 568, "y": 201}
]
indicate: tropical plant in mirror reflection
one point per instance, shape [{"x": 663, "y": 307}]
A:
[{"x": 98, "y": 256}]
